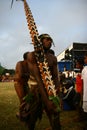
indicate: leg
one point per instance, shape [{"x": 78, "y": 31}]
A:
[
  {"x": 31, "y": 123},
  {"x": 54, "y": 120},
  {"x": 36, "y": 110}
]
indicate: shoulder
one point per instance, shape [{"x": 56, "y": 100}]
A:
[
  {"x": 19, "y": 63},
  {"x": 52, "y": 60},
  {"x": 31, "y": 57},
  {"x": 53, "y": 57},
  {"x": 84, "y": 69},
  {"x": 19, "y": 66}
]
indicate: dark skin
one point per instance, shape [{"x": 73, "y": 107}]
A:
[
  {"x": 33, "y": 70},
  {"x": 21, "y": 79}
]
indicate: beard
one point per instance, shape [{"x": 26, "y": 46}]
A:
[{"x": 46, "y": 48}]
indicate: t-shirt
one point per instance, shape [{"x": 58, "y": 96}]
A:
[
  {"x": 79, "y": 84},
  {"x": 84, "y": 77}
]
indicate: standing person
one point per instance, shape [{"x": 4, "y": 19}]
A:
[
  {"x": 79, "y": 88},
  {"x": 84, "y": 77},
  {"x": 79, "y": 82},
  {"x": 40, "y": 99},
  {"x": 21, "y": 79},
  {"x": 37, "y": 100},
  {"x": 43, "y": 68}
]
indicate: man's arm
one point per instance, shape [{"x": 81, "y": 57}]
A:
[
  {"x": 18, "y": 84},
  {"x": 18, "y": 71},
  {"x": 55, "y": 73},
  {"x": 34, "y": 71},
  {"x": 49, "y": 104}
]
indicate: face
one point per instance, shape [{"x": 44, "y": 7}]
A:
[
  {"x": 77, "y": 65},
  {"x": 47, "y": 42},
  {"x": 85, "y": 59}
]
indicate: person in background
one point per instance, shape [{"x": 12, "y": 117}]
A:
[
  {"x": 79, "y": 87},
  {"x": 21, "y": 80},
  {"x": 84, "y": 77},
  {"x": 79, "y": 82}
]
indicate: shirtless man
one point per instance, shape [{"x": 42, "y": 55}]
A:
[
  {"x": 34, "y": 72},
  {"x": 21, "y": 78},
  {"x": 40, "y": 100}
]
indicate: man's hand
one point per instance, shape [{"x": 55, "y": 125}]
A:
[
  {"x": 58, "y": 90},
  {"x": 51, "y": 107}
]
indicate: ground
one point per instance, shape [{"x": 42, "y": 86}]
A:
[{"x": 9, "y": 106}]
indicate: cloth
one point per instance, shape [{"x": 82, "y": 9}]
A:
[
  {"x": 31, "y": 106},
  {"x": 79, "y": 84},
  {"x": 85, "y": 106},
  {"x": 32, "y": 82},
  {"x": 84, "y": 77}
]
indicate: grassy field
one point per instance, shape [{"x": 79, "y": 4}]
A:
[{"x": 9, "y": 106}]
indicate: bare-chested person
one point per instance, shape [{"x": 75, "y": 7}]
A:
[
  {"x": 38, "y": 98},
  {"x": 21, "y": 78}
]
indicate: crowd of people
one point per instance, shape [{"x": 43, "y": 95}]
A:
[
  {"x": 7, "y": 78},
  {"x": 32, "y": 94},
  {"x": 74, "y": 91}
]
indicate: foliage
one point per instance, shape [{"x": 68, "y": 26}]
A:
[
  {"x": 56, "y": 101},
  {"x": 1, "y": 69},
  {"x": 10, "y": 71}
]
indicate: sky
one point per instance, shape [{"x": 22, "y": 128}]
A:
[{"x": 64, "y": 20}]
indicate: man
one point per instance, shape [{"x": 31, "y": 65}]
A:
[
  {"x": 37, "y": 99},
  {"x": 79, "y": 82},
  {"x": 21, "y": 78},
  {"x": 84, "y": 77},
  {"x": 38, "y": 87},
  {"x": 79, "y": 88}
]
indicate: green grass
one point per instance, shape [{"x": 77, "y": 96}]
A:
[{"x": 9, "y": 106}]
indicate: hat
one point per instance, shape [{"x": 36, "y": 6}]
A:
[{"x": 42, "y": 36}]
